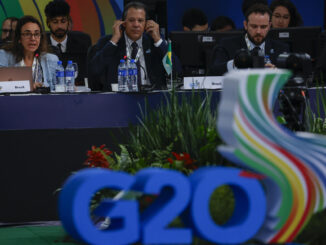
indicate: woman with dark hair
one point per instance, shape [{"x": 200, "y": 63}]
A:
[
  {"x": 29, "y": 48},
  {"x": 284, "y": 14}
]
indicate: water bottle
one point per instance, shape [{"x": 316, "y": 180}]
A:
[
  {"x": 134, "y": 76},
  {"x": 267, "y": 60},
  {"x": 60, "y": 78},
  {"x": 70, "y": 77},
  {"x": 129, "y": 76},
  {"x": 122, "y": 76}
]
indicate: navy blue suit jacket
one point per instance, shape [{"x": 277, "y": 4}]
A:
[
  {"x": 77, "y": 46},
  {"x": 227, "y": 48},
  {"x": 106, "y": 58}
]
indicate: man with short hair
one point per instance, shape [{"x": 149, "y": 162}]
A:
[
  {"x": 68, "y": 45},
  {"x": 194, "y": 20},
  {"x": 257, "y": 25},
  {"x": 222, "y": 23},
  {"x": 8, "y": 29},
  {"x": 246, "y": 4},
  {"x": 134, "y": 37}
]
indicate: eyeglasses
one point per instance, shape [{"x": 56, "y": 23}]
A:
[
  {"x": 6, "y": 30},
  {"x": 284, "y": 17},
  {"x": 29, "y": 35}
]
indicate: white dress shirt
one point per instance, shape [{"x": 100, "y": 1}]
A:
[{"x": 63, "y": 43}]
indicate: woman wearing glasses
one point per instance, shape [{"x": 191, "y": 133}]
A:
[
  {"x": 284, "y": 14},
  {"x": 29, "y": 48}
]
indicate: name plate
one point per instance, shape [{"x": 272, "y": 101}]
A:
[
  {"x": 15, "y": 86},
  {"x": 208, "y": 82}
]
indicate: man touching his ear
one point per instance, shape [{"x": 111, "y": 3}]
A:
[{"x": 133, "y": 37}]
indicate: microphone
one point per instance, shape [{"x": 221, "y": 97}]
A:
[
  {"x": 36, "y": 67},
  {"x": 42, "y": 89}
]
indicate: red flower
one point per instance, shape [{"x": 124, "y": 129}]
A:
[
  {"x": 106, "y": 151},
  {"x": 177, "y": 156},
  {"x": 170, "y": 160},
  {"x": 97, "y": 157},
  {"x": 185, "y": 158}
]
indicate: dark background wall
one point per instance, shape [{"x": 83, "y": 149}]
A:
[
  {"x": 96, "y": 17},
  {"x": 312, "y": 11}
]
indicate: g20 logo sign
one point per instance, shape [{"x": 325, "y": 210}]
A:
[
  {"x": 294, "y": 184},
  {"x": 178, "y": 196}
]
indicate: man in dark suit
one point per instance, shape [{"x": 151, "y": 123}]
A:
[
  {"x": 67, "y": 45},
  {"x": 130, "y": 41},
  {"x": 257, "y": 25}
]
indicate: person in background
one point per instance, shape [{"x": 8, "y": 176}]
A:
[
  {"x": 222, "y": 23},
  {"x": 67, "y": 45},
  {"x": 285, "y": 14},
  {"x": 257, "y": 24},
  {"x": 29, "y": 48},
  {"x": 8, "y": 29},
  {"x": 134, "y": 37},
  {"x": 246, "y": 4},
  {"x": 194, "y": 20}
]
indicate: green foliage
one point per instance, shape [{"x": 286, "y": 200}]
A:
[
  {"x": 315, "y": 120},
  {"x": 313, "y": 234},
  {"x": 180, "y": 134},
  {"x": 221, "y": 204},
  {"x": 317, "y": 125},
  {"x": 186, "y": 126}
]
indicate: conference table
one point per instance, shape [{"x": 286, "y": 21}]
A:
[{"x": 45, "y": 137}]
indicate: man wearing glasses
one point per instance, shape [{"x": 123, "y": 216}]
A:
[
  {"x": 8, "y": 29},
  {"x": 68, "y": 45}
]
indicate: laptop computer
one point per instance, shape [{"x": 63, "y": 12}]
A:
[{"x": 14, "y": 79}]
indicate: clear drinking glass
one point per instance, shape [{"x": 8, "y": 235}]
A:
[{"x": 75, "y": 65}]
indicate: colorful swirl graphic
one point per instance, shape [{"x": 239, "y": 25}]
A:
[
  {"x": 95, "y": 17},
  {"x": 294, "y": 163}
]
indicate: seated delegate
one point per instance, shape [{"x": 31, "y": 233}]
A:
[
  {"x": 67, "y": 45},
  {"x": 29, "y": 48},
  {"x": 285, "y": 14},
  {"x": 134, "y": 37},
  {"x": 257, "y": 24}
]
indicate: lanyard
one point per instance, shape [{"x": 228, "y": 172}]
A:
[{"x": 248, "y": 43}]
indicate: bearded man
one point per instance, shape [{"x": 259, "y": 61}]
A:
[
  {"x": 67, "y": 45},
  {"x": 257, "y": 24}
]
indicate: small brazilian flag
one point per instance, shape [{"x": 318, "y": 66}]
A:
[{"x": 167, "y": 60}]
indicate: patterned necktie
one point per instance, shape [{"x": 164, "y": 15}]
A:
[{"x": 134, "y": 50}]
